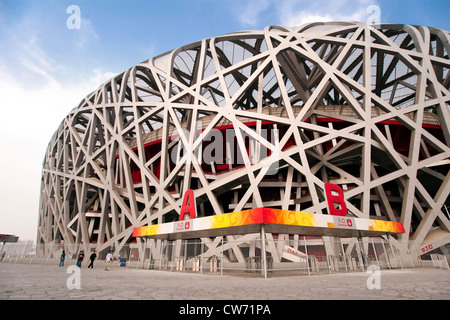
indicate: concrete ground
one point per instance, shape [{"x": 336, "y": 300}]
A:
[{"x": 49, "y": 282}]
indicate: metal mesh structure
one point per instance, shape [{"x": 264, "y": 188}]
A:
[{"x": 259, "y": 119}]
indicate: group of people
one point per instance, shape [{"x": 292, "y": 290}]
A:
[{"x": 108, "y": 260}]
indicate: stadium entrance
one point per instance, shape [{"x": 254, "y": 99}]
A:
[{"x": 265, "y": 240}]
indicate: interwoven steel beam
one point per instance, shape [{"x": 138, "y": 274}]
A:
[{"x": 259, "y": 119}]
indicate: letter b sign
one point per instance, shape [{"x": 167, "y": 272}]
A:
[{"x": 336, "y": 201}]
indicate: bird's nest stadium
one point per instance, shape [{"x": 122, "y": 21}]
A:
[{"x": 254, "y": 125}]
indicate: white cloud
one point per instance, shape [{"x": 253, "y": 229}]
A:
[
  {"x": 248, "y": 12},
  {"x": 33, "y": 102},
  {"x": 37, "y": 91},
  {"x": 34, "y": 58},
  {"x": 48, "y": 101},
  {"x": 294, "y": 19},
  {"x": 297, "y": 12},
  {"x": 86, "y": 33},
  {"x": 20, "y": 185}
]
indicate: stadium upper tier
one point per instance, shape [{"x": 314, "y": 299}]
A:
[{"x": 330, "y": 113}]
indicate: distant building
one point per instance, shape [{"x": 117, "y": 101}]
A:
[{"x": 8, "y": 238}]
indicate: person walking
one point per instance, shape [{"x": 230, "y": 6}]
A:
[
  {"x": 92, "y": 257},
  {"x": 62, "y": 259},
  {"x": 80, "y": 258},
  {"x": 109, "y": 259}
]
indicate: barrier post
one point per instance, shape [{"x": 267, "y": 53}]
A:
[
  {"x": 221, "y": 260},
  {"x": 386, "y": 254},
  {"x": 375, "y": 252},
  {"x": 201, "y": 257},
  {"x": 343, "y": 254},
  {"x": 307, "y": 258},
  {"x": 263, "y": 239}
]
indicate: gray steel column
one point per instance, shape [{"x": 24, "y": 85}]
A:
[{"x": 264, "y": 253}]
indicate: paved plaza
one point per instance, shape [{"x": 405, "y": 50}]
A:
[{"x": 49, "y": 282}]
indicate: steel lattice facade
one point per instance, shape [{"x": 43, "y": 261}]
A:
[{"x": 259, "y": 119}]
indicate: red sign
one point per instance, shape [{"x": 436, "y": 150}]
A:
[
  {"x": 182, "y": 226},
  {"x": 335, "y": 199},
  {"x": 346, "y": 223},
  {"x": 189, "y": 205},
  {"x": 427, "y": 248}
]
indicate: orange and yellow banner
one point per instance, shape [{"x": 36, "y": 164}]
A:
[{"x": 269, "y": 216}]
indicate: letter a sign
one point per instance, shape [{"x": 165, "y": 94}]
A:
[
  {"x": 341, "y": 209},
  {"x": 189, "y": 205}
]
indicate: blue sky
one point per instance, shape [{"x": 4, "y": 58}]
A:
[{"x": 47, "y": 68}]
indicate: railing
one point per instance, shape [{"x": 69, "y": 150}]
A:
[
  {"x": 299, "y": 255},
  {"x": 439, "y": 261},
  {"x": 445, "y": 209}
]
